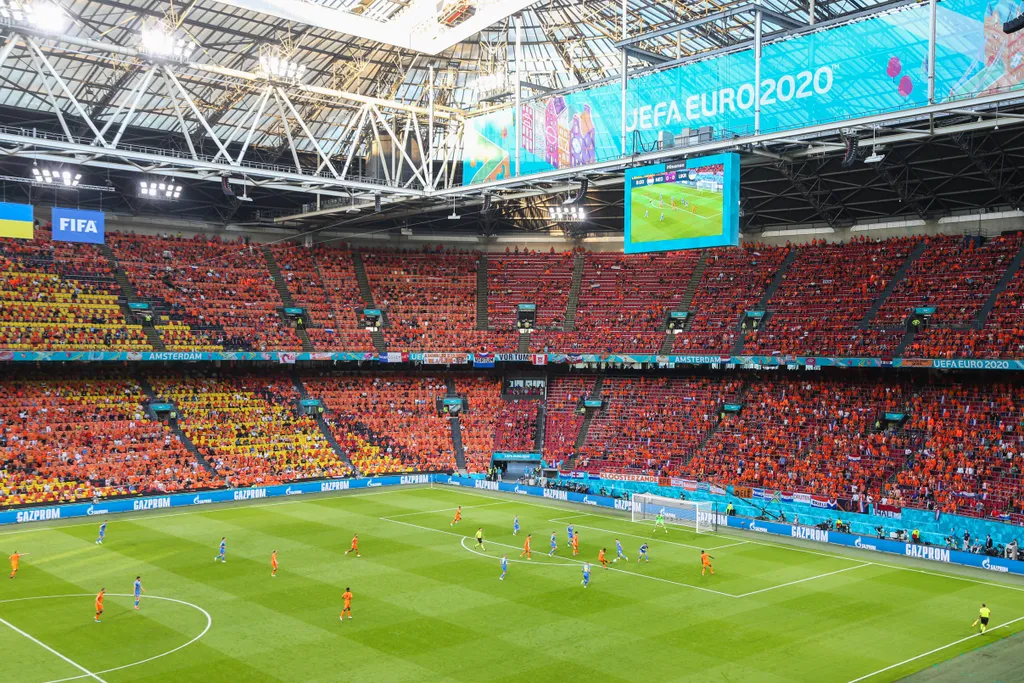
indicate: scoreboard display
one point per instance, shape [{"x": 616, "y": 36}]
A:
[{"x": 688, "y": 205}]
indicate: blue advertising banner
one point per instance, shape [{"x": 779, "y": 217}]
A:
[
  {"x": 862, "y": 68},
  {"x": 519, "y": 457},
  {"x": 73, "y": 225}
]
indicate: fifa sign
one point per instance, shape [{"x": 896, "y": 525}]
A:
[{"x": 72, "y": 225}]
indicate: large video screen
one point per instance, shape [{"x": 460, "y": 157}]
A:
[{"x": 686, "y": 205}]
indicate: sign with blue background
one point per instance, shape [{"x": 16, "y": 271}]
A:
[
  {"x": 73, "y": 225},
  {"x": 861, "y": 68}
]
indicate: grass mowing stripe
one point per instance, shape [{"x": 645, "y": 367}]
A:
[
  {"x": 466, "y": 507},
  {"x": 809, "y": 578},
  {"x": 215, "y": 507},
  {"x": 614, "y": 569},
  {"x": 931, "y": 652},
  {"x": 88, "y": 674}
]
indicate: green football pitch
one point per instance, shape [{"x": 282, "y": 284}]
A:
[
  {"x": 429, "y": 606},
  {"x": 702, "y": 218}
]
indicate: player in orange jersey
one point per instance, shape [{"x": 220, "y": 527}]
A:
[
  {"x": 347, "y": 597},
  {"x": 602, "y": 559},
  {"x": 273, "y": 563},
  {"x": 576, "y": 543},
  {"x": 355, "y": 546},
  {"x": 458, "y": 516},
  {"x": 526, "y": 548},
  {"x": 705, "y": 563},
  {"x": 99, "y": 604},
  {"x": 15, "y": 559}
]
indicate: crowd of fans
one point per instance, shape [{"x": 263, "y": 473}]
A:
[
  {"x": 57, "y": 296},
  {"x": 651, "y": 423},
  {"x": 623, "y": 301},
  {"x": 734, "y": 281},
  {"x": 65, "y": 440},
  {"x": 563, "y": 414},
  {"x": 248, "y": 428},
  {"x": 322, "y": 281},
  {"x": 387, "y": 423},
  {"x": 429, "y": 299},
  {"x": 529, "y": 278},
  {"x": 210, "y": 294},
  {"x": 221, "y": 289}
]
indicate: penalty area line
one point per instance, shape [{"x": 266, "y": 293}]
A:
[
  {"x": 88, "y": 674},
  {"x": 931, "y": 652},
  {"x": 809, "y": 578}
]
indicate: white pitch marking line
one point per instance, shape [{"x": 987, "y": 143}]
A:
[
  {"x": 614, "y": 569},
  {"x": 809, "y": 578},
  {"x": 931, "y": 652},
  {"x": 468, "y": 507},
  {"x": 43, "y": 645},
  {"x": 656, "y": 539},
  {"x": 209, "y": 624}
]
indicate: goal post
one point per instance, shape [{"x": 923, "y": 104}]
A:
[{"x": 697, "y": 515}]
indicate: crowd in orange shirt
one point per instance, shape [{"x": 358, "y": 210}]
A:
[
  {"x": 248, "y": 428},
  {"x": 388, "y": 422},
  {"x": 64, "y": 440},
  {"x": 221, "y": 289}
]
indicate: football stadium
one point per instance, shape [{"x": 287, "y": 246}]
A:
[{"x": 476, "y": 341}]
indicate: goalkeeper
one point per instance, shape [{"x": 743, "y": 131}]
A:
[{"x": 659, "y": 521}]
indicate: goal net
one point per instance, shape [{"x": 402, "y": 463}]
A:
[{"x": 698, "y": 515}]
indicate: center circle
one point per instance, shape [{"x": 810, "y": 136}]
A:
[{"x": 209, "y": 624}]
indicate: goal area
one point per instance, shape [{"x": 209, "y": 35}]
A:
[{"x": 697, "y": 515}]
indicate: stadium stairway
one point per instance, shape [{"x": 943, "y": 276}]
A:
[
  {"x": 574, "y": 294},
  {"x": 896, "y": 279},
  {"x": 460, "y": 451},
  {"x": 776, "y": 282},
  {"x": 321, "y": 422},
  {"x": 286, "y": 297},
  {"x": 595, "y": 393},
  {"x": 482, "y": 292},
  {"x": 908, "y": 338},
  {"x": 1011, "y": 270},
  {"x": 523, "y": 345},
  {"x": 685, "y": 303},
  {"x": 359, "y": 267},
  {"x": 147, "y": 389},
  {"x": 538, "y": 442},
  {"x": 128, "y": 295}
]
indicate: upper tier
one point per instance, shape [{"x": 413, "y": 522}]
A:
[{"x": 819, "y": 299}]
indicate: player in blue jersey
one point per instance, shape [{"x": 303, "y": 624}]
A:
[
  {"x": 643, "y": 554},
  {"x": 223, "y": 556},
  {"x": 504, "y": 567},
  {"x": 103, "y": 532},
  {"x": 618, "y": 552},
  {"x": 586, "y": 574},
  {"x": 139, "y": 590},
  {"x": 515, "y": 526},
  {"x": 554, "y": 544},
  {"x": 569, "y": 530}
]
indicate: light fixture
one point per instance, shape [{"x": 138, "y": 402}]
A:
[
  {"x": 567, "y": 213},
  {"x": 274, "y": 66},
  {"x": 162, "y": 190},
  {"x": 874, "y": 158},
  {"x": 43, "y": 15},
  {"x": 159, "y": 41},
  {"x": 55, "y": 176}
]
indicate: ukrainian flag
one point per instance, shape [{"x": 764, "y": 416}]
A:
[{"x": 16, "y": 221}]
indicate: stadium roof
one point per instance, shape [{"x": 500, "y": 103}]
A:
[{"x": 343, "y": 86}]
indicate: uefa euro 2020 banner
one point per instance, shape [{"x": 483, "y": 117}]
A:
[{"x": 873, "y": 66}]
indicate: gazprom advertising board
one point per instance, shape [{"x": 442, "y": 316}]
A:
[{"x": 867, "y": 67}]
